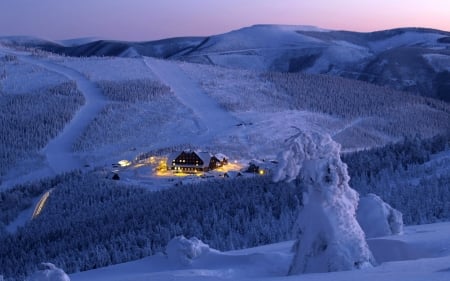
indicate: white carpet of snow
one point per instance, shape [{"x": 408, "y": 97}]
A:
[
  {"x": 215, "y": 100},
  {"x": 422, "y": 253},
  {"x": 259, "y": 37},
  {"x": 59, "y": 156},
  {"x": 255, "y": 47},
  {"x": 181, "y": 250},
  {"x": 59, "y": 150},
  {"x": 439, "y": 62},
  {"x": 377, "y": 218},
  {"x": 113, "y": 69},
  {"x": 26, "y": 78},
  {"x": 23, "y": 217},
  {"x": 343, "y": 53},
  {"x": 212, "y": 119},
  {"x": 409, "y": 38},
  {"x": 49, "y": 273},
  {"x": 78, "y": 41}
]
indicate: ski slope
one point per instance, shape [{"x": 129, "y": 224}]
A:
[
  {"x": 59, "y": 150},
  {"x": 59, "y": 156},
  {"x": 211, "y": 119}
]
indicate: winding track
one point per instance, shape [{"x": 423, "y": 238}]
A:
[{"x": 58, "y": 151}]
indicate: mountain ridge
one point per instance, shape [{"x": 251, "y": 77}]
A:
[{"x": 398, "y": 58}]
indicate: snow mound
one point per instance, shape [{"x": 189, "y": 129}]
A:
[
  {"x": 49, "y": 273},
  {"x": 330, "y": 237},
  {"x": 181, "y": 250},
  {"x": 378, "y": 218}
]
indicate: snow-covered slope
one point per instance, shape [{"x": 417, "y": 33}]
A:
[
  {"x": 422, "y": 253},
  {"x": 391, "y": 57},
  {"x": 241, "y": 112},
  {"x": 116, "y": 108}
]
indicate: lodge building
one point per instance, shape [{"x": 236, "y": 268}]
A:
[{"x": 189, "y": 161}]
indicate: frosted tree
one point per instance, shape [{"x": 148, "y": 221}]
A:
[
  {"x": 330, "y": 237},
  {"x": 49, "y": 273},
  {"x": 377, "y": 218},
  {"x": 183, "y": 251}
]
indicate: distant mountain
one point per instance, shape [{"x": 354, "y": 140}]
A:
[{"x": 411, "y": 59}]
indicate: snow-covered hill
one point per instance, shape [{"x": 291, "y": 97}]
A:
[
  {"x": 62, "y": 113},
  {"x": 422, "y": 253},
  {"x": 244, "y": 113},
  {"x": 392, "y": 57}
]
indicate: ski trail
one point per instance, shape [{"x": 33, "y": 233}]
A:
[
  {"x": 58, "y": 151},
  {"x": 349, "y": 125},
  {"x": 212, "y": 119}
]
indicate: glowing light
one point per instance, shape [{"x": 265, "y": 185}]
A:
[
  {"x": 235, "y": 166},
  {"x": 41, "y": 204},
  {"x": 124, "y": 163},
  {"x": 261, "y": 172}
]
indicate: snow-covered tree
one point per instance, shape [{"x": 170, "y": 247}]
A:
[
  {"x": 330, "y": 237},
  {"x": 377, "y": 218},
  {"x": 184, "y": 251},
  {"x": 49, "y": 273}
]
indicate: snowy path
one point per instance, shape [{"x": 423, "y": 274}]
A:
[
  {"x": 212, "y": 119},
  {"x": 349, "y": 125},
  {"x": 59, "y": 150}
]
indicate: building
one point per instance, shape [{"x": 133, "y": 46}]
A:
[{"x": 189, "y": 161}]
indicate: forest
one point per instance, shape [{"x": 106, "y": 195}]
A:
[{"x": 90, "y": 221}]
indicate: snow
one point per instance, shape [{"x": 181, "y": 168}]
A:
[
  {"x": 21, "y": 77},
  {"x": 343, "y": 53},
  {"x": 109, "y": 68},
  {"x": 22, "y": 218},
  {"x": 184, "y": 251},
  {"x": 78, "y": 41},
  {"x": 255, "y": 47},
  {"x": 259, "y": 37},
  {"x": 211, "y": 119},
  {"x": 439, "y": 62},
  {"x": 334, "y": 241},
  {"x": 130, "y": 53},
  {"x": 378, "y": 218},
  {"x": 409, "y": 38},
  {"x": 58, "y": 152},
  {"x": 271, "y": 262},
  {"x": 50, "y": 273},
  {"x": 417, "y": 242},
  {"x": 422, "y": 253}
]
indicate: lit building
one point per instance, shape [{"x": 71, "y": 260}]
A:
[{"x": 189, "y": 161}]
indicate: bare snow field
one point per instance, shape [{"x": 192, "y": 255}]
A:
[
  {"x": 109, "y": 68},
  {"x": 421, "y": 253},
  {"x": 19, "y": 77}
]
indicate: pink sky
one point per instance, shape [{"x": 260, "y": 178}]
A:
[{"x": 155, "y": 19}]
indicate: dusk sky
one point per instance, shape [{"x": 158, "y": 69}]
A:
[{"x": 156, "y": 19}]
